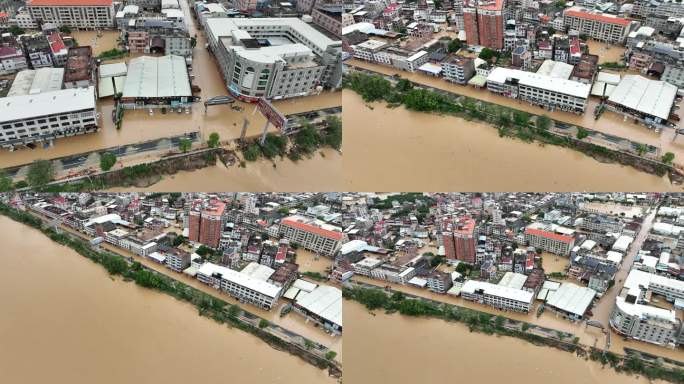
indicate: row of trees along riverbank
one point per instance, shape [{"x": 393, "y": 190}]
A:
[
  {"x": 476, "y": 321},
  {"x": 207, "y": 305},
  {"x": 509, "y": 122}
]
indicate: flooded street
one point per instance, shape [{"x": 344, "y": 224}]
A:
[
  {"x": 395, "y": 149},
  {"x": 320, "y": 173},
  {"x": 310, "y": 262},
  {"x": 76, "y": 324},
  {"x": 139, "y": 126},
  {"x": 404, "y": 350},
  {"x": 609, "y": 122},
  {"x": 554, "y": 263}
]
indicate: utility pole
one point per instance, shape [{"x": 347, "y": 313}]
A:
[
  {"x": 245, "y": 124},
  {"x": 263, "y": 134}
]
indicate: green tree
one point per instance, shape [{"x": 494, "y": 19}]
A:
[
  {"x": 203, "y": 250},
  {"x": 307, "y": 139},
  {"x": 234, "y": 311},
  {"x": 487, "y": 54},
  {"x": 521, "y": 118},
  {"x": 193, "y": 42},
  {"x": 668, "y": 157},
  {"x": 333, "y": 133},
  {"x": 252, "y": 152},
  {"x": 21, "y": 184},
  {"x": 16, "y": 31},
  {"x": 263, "y": 323},
  {"x": 543, "y": 123},
  {"x": 404, "y": 85},
  {"x": 454, "y": 45},
  {"x": 65, "y": 29},
  {"x": 213, "y": 141},
  {"x": 582, "y": 133},
  {"x": 40, "y": 172},
  {"x": 274, "y": 145},
  {"x": 107, "y": 161},
  {"x": 184, "y": 145},
  {"x": 330, "y": 355},
  {"x": 641, "y": 149},
  {"x": 5, "y": 182}
]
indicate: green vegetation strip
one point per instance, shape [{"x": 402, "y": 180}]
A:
[
  {"x": 376, "y": 298},
  {"x": 207, "y": 305},
  {"x": 509, "y": 122}
]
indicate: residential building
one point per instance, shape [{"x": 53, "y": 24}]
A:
[
  {"x": 597, "y": 25},
  {"x": 566, "y": 95},
  {"x": 79, "y": 70},
  {"x": 84, "y": 14},
  {"x": 242, "y": 286},
  {"x": 439, "y": 282},
  {"x": 177, "y": 259},
  {"x": 273, "y": 57},
  {"x": 37, "y": 50},
  {"x": 46, "y": 116},
  {"x": 550, "y": 238},
  {"x": 205, "y": 223},
  {"x": 484, "y": 23},
  {"x": 12, "y": 58},
  {"x": 312, "y": 234},
  {"x": 498, "y": 296},
  {"x": 458, "y": 69},
  {"x": 459, "y": 241}
]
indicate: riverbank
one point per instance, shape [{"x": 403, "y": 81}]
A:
[
  {"x": 510, "y": 122},
  {"x": 400, "y": 349},
  {"x": 452, "y": 154},
  {"x": 207, "y": 305},
  {"x": 394, "y": 301},
  {"x": 262, "y": 175}
]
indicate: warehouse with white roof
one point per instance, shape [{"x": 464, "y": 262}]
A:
[
  {"x": 324, "y": 305},
  {"x": 240, "y": 285},
  {"x": 46, "y": 116},
  {"x": 497, "y": 296},
  {"x": 540, "y": 89},
  {"x": 570, "y": 300},
  {"x": 648, "y": 100},
  {"x": 156, "y": 82},
  {"x": 32, "y": 82}
]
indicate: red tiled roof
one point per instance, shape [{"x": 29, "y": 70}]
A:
[
  {"x": 549, "y": 235},
  {"x": 597, "y": 17},
  {"x": 56, "y": 43},
  {"x": 48, "y": 3},
  {"x": 313, "y": 229}
]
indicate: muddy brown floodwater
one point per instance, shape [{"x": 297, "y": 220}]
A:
[
  {"x": 399, "y": 150},
  {"x": 320, "y": 173},
  {"x": 139, "y": 126},
  {"x": 383, "y": 348},
  {"x": 65, "y": 321}
]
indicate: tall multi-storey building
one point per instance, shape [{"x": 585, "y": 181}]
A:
[
  {"x": 596, "y": 25},
  {"x": 459, "y": 241},
  {"x": 484, "y": 23},
  {"x": 177, "y": 259},
  {"x": 312, "y": 234},
  {"x": 205, "y": 224},
  {"x": 85, "y": 14},
  {"x": 549, "y": 238},
  {"x": 274, "y": 57}
]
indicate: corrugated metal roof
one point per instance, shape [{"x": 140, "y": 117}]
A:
[{"x": 150, "y": 77}]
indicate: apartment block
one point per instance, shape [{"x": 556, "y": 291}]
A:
[
  {"x": 85, "y": 14},
  {"x": 312, "y": 234}
]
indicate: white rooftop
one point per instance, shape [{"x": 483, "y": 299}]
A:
[
  {"x": 471, "y": 286},
  {"x": 566, "y": 87},
  {"x": 46, "y": 103},
  {"x": 165, "y": 76},
  {"x": 258, "y": 271},
  {"x": 647, "y": 96},
  {"x": 114, "y": 69},
  {"x": 555, "y": 69},
  {"x": 513, "y": 280},
  {"x": 32, "y": 82},
  {"x": 325, "y": 301},
  {"x": 222, "y": 27},
  {"x": 268, "y": 289},
  {"x": 645, "y": 311},
  {"x": 637, "y": 278},
  {"x": 571, "y": 298}
]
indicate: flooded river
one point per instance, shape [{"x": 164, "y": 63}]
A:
[
  {"x": 65, "y": 321},
  {"x": 609, "y": 122},
  {"x": 321, "y": 173},
  {"x": 399, "y": 150},
  {"x": 403, "y": 350},
  {"x": 139, "y": 126}
]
